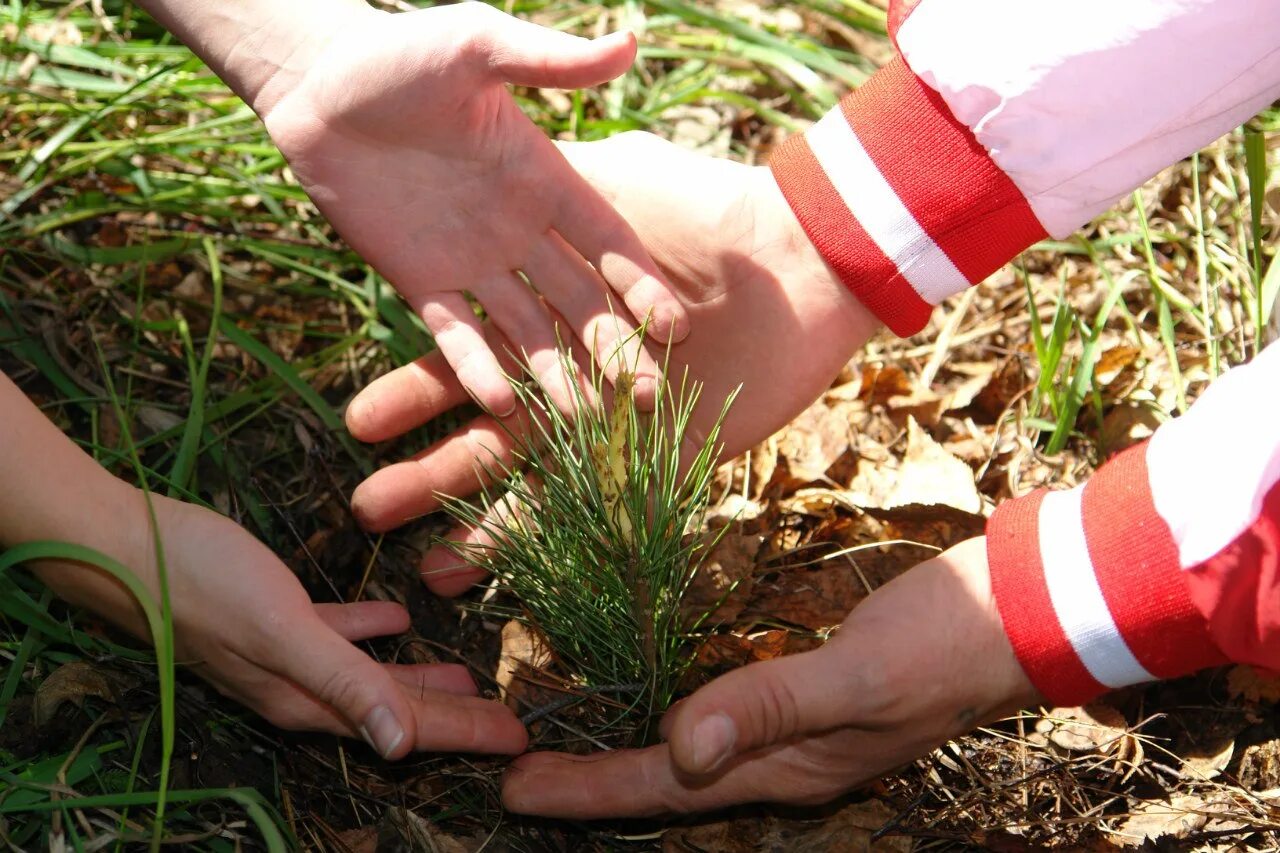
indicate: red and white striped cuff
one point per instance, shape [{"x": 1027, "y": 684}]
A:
[
  {"x": 1091, "y": 588},
  {"x": 901, "y": 199}
]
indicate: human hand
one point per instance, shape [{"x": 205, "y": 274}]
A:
[
  {"x": 922, "y": 660},
  {"x": 244, "y": 623},
  {"x": 768, "y": 312},
  {"x": 403, "y": 132}
]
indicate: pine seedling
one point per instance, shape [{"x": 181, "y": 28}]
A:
[{"x": 593, "y": 531}]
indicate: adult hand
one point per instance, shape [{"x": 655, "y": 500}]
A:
[
  {"x": 768, "y": 314},
  {"x": 403, "y": 131},
  {"x": 922, "y": 660},
  {"x": 244, "y": 623}
]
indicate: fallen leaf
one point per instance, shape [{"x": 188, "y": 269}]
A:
[
  {"x": 850, "y": 830},
  {"x": 1126, "y": 425},
  {"x": 1208, "y": 760},
  {"x": 813, "y": 598},
  {"x": 420, "y": 834},
  {"x": 361, "y": 840},
  {"x": 931, "y": 475},
  {"x": 1093, "y": 728},
  {"x": 1253, "y": 685},
  {"x": 722, "y": 586},
  {"x": 814, "y": 441},
  {"x": 1156, "y": 819},
  {"x": 1008, "y": 381},
  {"x": 524, "y": 652},
  {"x": 881, "y": 383},
  {"x": 72, "y": 682}
]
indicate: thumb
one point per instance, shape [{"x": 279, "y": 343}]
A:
[
  {"x": 355, "y": 686},
  {"x": 526, "y": 54},
  {"x": 756, "y": 706}
]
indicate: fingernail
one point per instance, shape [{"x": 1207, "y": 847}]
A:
[
  {"x": 713, "y": 741},
  {"x": 674, "y": 324},
  {"x": 381, "y": 730},
  {"x": 645, "y": 392}
]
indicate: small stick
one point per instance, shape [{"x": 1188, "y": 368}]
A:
[{"x": 571, "y": 698}]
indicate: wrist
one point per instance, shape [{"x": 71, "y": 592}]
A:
[
  {"x": 262, "y": 49},
  {"x": 811, "y": 284}
]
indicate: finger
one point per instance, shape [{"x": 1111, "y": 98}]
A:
[
  {"x": 760, "y": 705},
  {"x": 629, "y": 783},
  {"x": 446, "y": 569},
  {"x": 471, "y": 456},
  {"x": 419, "y": 680},
  {"x": 460, "y": 338},
  {"x": 364, "y": 619},
  {"x": 445, "y": 572},
  {"x": 412, "y": 395},
  {"x": 356, "y": 687},
  {"x": 526, "y": 54},
  {"x": 569, "y": 284},
  {"x": 405, "y": 399},
  {"x": 599, "y": 233},
  {"x": 371, "y": 701},
  {"x": 521, "y": 316}
]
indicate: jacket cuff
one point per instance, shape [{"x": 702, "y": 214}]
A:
[
  {"x": 901, "y": 200},
  {"x": 1090, "y": 588}
]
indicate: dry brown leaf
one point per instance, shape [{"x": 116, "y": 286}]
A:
[
  {"x": 420, "y": 834},
  {"x": 1208, "y": 760},
  {"x": 724, "y": 580},
  {"x": 1153, "y": 820},
  {"x": 881, "y": 383},
  {"x": 815, "y": 440},
  {"x": 1126, "y": 424},
  {"x": 849, "y": 830},
  {"x": 72, "y": 682},
  {"x": 814, "y": 598},
  {"x": 722, "y": 652},
  {"x": 1006, "y": 384},
  {"x": 931, "y": 475},
  {"x": 361, "y": 840},
  {"x": 1253, "y": 685},
  {"x": 1093, "y": 728},
  {"x": 524, "y": 652},
  {"x": 1114, "y": 360}
]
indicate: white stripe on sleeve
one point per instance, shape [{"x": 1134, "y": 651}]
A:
[
  {"x": 1077, "y": 598},
  {"x": 880, "y": 212}
]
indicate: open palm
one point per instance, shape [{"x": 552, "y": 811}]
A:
[{"x": 405, "y": 135}]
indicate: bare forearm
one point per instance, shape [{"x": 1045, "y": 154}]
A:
[
  {"x": 53, "y": 490},
  {"x": 258, "y": 47}
]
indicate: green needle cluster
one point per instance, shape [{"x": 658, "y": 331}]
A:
[{"x": 594, "y": 530}]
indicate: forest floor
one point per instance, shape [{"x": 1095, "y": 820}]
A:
[{"x": 128, "y": 174}]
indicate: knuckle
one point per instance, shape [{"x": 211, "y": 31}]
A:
[
  {"x": 774, "y": 714},
  {"x": 340, "y": 689}
]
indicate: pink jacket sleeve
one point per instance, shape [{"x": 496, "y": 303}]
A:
[{"x": 1003, "y": 121}]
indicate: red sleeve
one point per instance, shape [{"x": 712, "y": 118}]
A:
[
  {"x": 1001, "y": 123},
  {"x": 1165, "y": 562}
]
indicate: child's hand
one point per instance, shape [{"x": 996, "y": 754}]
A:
[
  {"x": 770, "y": 315},
  {"x": 246, "y": 625},
  {"x": 922, "y": 660},
  {"x": 404, "y": 133}
]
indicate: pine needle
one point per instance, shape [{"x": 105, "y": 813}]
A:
[{"x": 593, "y": 530}]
